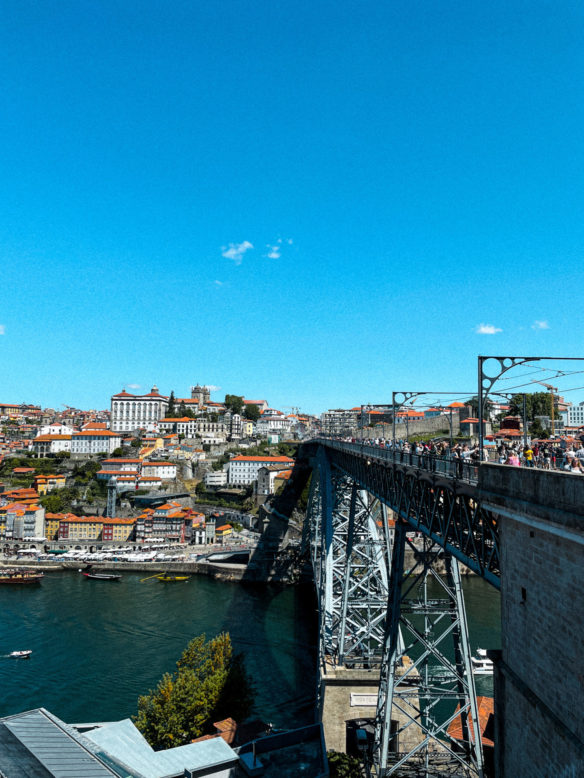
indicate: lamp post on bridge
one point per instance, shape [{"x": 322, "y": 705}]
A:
[
  {"x": 403, "y": 398},
  {"x": 486, "y": 381}
]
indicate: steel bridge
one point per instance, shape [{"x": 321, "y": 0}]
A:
[{"x": 380, "y": 523}]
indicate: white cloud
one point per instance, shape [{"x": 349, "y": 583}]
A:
[
  {"x": 540, "y": 325},
  {"x": 212, "y": 388},
  {"x": 218, "y": 283},
  {"x": 2, "y": 329},
  {"x": 274, "y": 251},
  {"x": 235, "y": 251},
  {"x": 487, "y": 329},
  {"x": 133, "y": 386}
]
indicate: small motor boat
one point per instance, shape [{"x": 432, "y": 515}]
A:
[{"x": 20, "y": 654}]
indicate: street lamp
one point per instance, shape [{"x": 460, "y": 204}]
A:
[{"x": 486, "y": 380}]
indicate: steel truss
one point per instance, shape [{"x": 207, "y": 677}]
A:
[
  {"x": 350, "y": 541},
  {"x": 446, "y": 510},
  {"x": 426, "y": 681}
]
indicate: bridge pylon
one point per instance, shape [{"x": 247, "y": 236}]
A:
[{"x": 426, "y": 680}]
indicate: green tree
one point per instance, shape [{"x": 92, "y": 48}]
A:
[
  {"x": 210, "y": 683},
  {"x": 136, "y": 443},
  {"x": 171, "y": 412},
  {"x": 537, "y": 404},
  {"x": 252, "y": 412},
  {"x": 344, "y": 766},
  {"x": 234, "y": 403},
  {"x": 117, "y": 452}
]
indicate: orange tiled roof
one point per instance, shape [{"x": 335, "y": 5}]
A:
[
  {"x": 242, "y": 458},
  {"x": 486, "y": 707}
]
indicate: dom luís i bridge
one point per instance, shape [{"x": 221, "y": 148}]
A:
[{"x": 387, "y": 531}]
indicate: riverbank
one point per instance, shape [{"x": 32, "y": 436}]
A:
[{"x": 221, "y": 572}]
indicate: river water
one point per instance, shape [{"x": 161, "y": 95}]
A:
[{"x": 98, "y": 645}]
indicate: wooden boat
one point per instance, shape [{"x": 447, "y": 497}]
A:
[
  {"x": 103, "y": 576},
  {"x": 15, "y": 576},
  {"x": 167, "y": 577},
  {"x": 20, "y": 654}
]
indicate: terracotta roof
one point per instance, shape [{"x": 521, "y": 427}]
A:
[
  {"x": 242, "y": 458},
  {"x": 223, "y": 527},
  {"x": 45, "y": 438},
  {"x": 486, "y": 707},
  {"x": 94, "y": 433}
]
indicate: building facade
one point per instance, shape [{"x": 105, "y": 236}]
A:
[
  {"x": 137, "y": 411},
  {"x": 243, "y": 470},
  {"x": 94, "y": 442}
]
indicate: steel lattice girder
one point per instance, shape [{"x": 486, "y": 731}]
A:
[
  {"x": 349, "y": 553},
  {"x": 444, "y": 509},
  {"x": 417, "y": 677}
]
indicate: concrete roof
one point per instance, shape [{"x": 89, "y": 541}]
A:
[{"x": 120, "y": 743}]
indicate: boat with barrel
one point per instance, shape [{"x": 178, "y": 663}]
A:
[
  {"x": 172, "y": 577},
  {"x": 20, "y": 577}
]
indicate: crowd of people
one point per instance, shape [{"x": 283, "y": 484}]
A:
[{"x": 434, "y": 455}]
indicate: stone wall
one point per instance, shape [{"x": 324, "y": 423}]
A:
[{"x": 539, "y": 680}]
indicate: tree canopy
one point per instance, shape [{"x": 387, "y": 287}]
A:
[
  {"x": 210, "y": 683},
  {"x": 537, "y": 404},
  {"x": 252, "y": 412},
  {"x": 234, "y": 403}
]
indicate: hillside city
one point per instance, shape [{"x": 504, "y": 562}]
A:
[{"x": 86, "y": 475}]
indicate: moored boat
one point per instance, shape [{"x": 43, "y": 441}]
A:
[
  {"x": 103, "y": 576},
  {"x": 16, "y": 576},
  {"x": 167, "y": 577},
  {"x": 481, "y": 664}
]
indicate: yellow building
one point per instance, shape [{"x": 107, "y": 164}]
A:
[
  {"x": 223, "y": 531},
  {"x": 46, "y": 483},
  {"x": 88, "y": 528}
]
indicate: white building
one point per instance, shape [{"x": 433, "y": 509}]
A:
[
  {"x": 164, "y": 470},
  {"x": 273, "y": 421},
  {"x": 216, "y": 478},
  {"x": 56, "y": 429},
  {"x": 182, "y": 426},
  {"x": 113, "y": 468},
  {"x": 574, "y": 415},
  {"x": 51, "y": 444},
  {"x": 243, "y": 470},
  {"x": 137, "y": 411},
  {"x": 267, "y": 477},
  {"x": 95, "y": 442}
]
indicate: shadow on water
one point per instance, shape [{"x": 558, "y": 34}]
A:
[
  {"x": 98, "y": 645},
  {"x": 289, "y": 659}
]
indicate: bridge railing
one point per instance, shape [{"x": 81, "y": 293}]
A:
[{"x": 459, "y": 468}]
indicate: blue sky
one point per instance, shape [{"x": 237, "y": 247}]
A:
[{"x": 312, "y": 202}]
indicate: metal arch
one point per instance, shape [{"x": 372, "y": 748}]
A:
[
  {"x": 486, "y": 382},
  {"x": 413, "y": 396}
]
